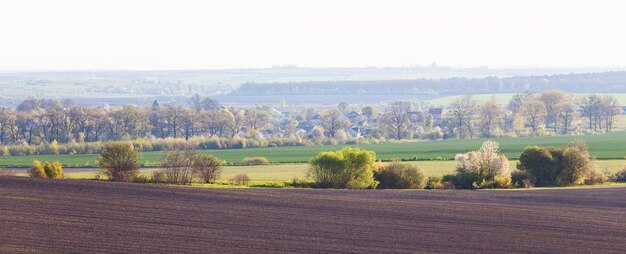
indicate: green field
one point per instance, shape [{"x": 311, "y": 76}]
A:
[{"x": 604, "y": 147}]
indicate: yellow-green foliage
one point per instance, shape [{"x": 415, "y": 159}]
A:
[
  {"x": 241, "y": 179},
  {"x": 53, "y": 169},
  {"x": 350, "y": 168},
  {"x": 255, "y": 161},
  {"x": 5, "y": 151},
  {"x": 37, "y": 170}
]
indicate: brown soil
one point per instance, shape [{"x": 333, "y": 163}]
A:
[{"x": 52, "y": 216}]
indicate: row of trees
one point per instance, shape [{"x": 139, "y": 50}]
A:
[{"x": 36, "y": 122}]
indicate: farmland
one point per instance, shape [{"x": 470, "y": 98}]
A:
[
  {"x": 603, "y": 147},
  {"x": 96, "y": 217}
]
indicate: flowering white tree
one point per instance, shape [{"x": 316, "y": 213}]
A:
[{"x": 485, "y": 162}]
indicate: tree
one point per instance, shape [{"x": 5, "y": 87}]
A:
[
  {"x": 490, "y": 116},
  {"x": 207, "y": 167},
  {"x": 206, "y": 103},
  {"x": 609, "y": 108},
  {"x": 534, "y": 112},
  {"x": 554, "y": 102},
  {"x": 119, "y": 161},
  {"x": 590, "y": 108},
  {"x": 368, "y": 112},
  {"x": 256, "y": 119},
  {"x": 518, "y": 100},
  {"x": 344, "y": 107},
  {"x": 331, "y": 121},
  {"x": 462, "y": 110},
  {"x": 350, "y": 168},
  {"x": 396, "y": 118}
]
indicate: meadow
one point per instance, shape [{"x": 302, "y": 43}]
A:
[{"x": 610, "y": 146}]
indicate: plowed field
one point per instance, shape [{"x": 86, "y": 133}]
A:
[{"x": 61, "y": 216}]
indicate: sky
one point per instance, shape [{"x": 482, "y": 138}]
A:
[{"x": 180, "y": 34}]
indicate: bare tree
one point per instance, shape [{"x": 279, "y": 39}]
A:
[
  {"x": 534, "y": 112},
  {"x": 462, "y": 110},
  {"x": 490, "y": 116},
  {"x": 553, "y": 101},
  {"x": 332, "y": 121},
  {"x": 396, "y": 118}
]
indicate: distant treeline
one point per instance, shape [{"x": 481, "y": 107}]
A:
[{"x": 613, "y": 82}]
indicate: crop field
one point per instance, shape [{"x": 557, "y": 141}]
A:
[
  {"x": 608, "y": 146},
  {"x": 108, "y": 217}
]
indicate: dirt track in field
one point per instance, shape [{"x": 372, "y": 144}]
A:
[{"x": 60, "y": 216}]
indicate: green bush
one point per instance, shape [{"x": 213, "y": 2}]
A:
[
  {"x": 37, "y": 170},
  {"x": 251, "y": 161},
  {"x": 119, "y": 161},
  {"x": 397, "y": 175},
  {"x": 350, "y": 168},
  {"x": 53, "y": 169},
  {"x": 568, "y": 165},
  {"x": 522, "y": 179}
]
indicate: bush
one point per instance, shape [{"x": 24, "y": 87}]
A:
[
  {"x": 397, "y": 175},
  {"x": 479, "y": 169},
  {"x": 350, "y": 168},
  {"x": 53, "y": 169},
  {"x": 241, "y": 179},
  {"x": 522, "y": 179},
  {"x": 37, "y": 170},
  {"x": 568, "y": 165},
  {"x": 207, "y": 167},
  {"x": 255, "y": 161},
  {"x": 595, "y": 176},
  {"x": 158, "y": 176},
  {"x": 119, "y": 161},
  {"x": 434, "y": 183},
  {"x": 621, "y": 175},
  {"x": 177, "y": 165}
]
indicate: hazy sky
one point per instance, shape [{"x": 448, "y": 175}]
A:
[{"x": 131, "y": 34}]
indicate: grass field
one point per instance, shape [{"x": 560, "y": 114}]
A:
[
  {"x": 604, "y": 147},
  {"x": 277, "y": 175}
]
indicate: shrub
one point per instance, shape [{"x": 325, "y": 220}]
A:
[
  {"x": 522, "y": 179},
  {"x": 53, "y": 169},
  {"x": 6, "y": 172},
  {"x": 595, "y": 176},
  {"x": 37, "y": 170},
  {"x": 397, "y": 175},
  {"x": 207, "y": 167},
  {"x": 177, "y": 165},
  {"x": 255, "y": 161},
  {"x": 350, "y": 168},
  {"x": 434, "y": 183},
  {"x": 621, "y": 175},
  {"x": 241, "y": 179},
  {"x": 540, "y": 164},
  {"x": 158, "y": 176},
  {"x": 484, "y": 165},
  {"x": 119, "y": 161},
  {"x": 567, "y": 165}
]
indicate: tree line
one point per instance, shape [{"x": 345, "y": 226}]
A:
[{"x": 48, "y": 124}]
